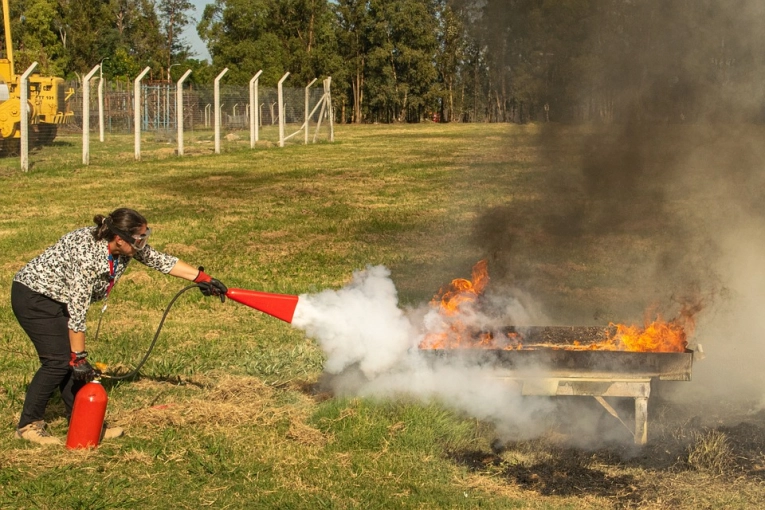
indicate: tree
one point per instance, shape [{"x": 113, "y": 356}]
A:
[
  {"x": 306, "y": 28},
  {"x": 174, "y": 17},
  {"x": 401, "y": 77},
  {"x": 273, "y": 35},
  {"x": 36, "y": 38},
  {"x": 472, "y": 69},
  {"x": 237, "y": 34},
  {"x": 82, "y": 27},
  {"x": 141, "y": 40},
  {"x": 450, "y": 55},
  {"x": 353, "y": 23},
  {"x": 469, "y": 60}
]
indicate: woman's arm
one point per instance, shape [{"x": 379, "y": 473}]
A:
[
  {"x": 76, "y": 341},
  {"x": 207, "y": 284},
  {"x": 185, "y": 271}
]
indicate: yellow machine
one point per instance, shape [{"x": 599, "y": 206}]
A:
[{"x": 47, "y": 101}]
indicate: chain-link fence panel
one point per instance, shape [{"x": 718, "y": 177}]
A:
[{"x": 304, "y": 121}]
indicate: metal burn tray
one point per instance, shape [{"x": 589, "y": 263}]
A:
[
  {"x": 575, "y": 371},
  {"x": 560, "y": 362}
]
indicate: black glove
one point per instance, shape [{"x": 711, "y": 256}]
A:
[
  {"x": 209, "y": 286},
  {"x": 81, "y": 369}
]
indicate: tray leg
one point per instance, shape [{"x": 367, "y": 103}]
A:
[{"x": 641, "y": 420}]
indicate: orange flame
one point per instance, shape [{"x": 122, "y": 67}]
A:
[
  {"x": 462, "y": 291},
  {"x": 449, "y": 302},
  {"x": 658, "y": 335},
  {"x": 655, "y": 336}
]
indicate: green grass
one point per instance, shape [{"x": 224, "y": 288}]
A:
[{"x": 227, "y": 412}]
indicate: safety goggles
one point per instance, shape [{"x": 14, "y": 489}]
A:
[{"x": 137, "y": 241}]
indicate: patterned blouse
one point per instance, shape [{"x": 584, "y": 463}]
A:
[{"x": 76, "y": 271}]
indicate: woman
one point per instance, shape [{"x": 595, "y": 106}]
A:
[{"x": 51, "y": 295}]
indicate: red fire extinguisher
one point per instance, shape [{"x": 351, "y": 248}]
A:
[{"x": 87, "y": 420}]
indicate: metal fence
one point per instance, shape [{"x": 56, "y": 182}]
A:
[
  {"x": 179, "y": 116},
  {"x": 158, "y": 107}
]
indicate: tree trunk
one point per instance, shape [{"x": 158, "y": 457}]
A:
[
  {"x": 451, "y": 102},
  {"x": 358, "y": 91},
  {"x": 310, "y": 30}
]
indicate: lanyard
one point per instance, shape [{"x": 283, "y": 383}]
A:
[{"x": 113, "y": 263}]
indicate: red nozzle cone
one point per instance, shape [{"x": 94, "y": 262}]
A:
[{"x": 281, "y": 306}]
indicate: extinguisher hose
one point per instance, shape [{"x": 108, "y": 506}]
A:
[{"x": 134, "y": 372}]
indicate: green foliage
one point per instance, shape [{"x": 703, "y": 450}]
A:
[
  {"x": 174, "y": 19},
  {"x": 36, "y": 29},
  {"x": 272, "y": 36},
  {"x": 407, "y": 60},
  {"x": 85, "y": 45},
  {"x": 122, "y": 64},
  {"x": 400, "y": 61},
  {"x": 68, "y": 38}
]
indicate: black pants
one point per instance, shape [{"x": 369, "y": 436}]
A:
[{"x": 47, "y": 323}]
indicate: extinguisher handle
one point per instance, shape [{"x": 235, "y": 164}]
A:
[{"x": 81, "y": 369}]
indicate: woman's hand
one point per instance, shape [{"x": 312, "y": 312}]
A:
[{"x": 81, "y": 369}]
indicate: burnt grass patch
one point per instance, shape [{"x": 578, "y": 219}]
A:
[
  {"x": 568, "y": 472},
  {"x": 628, "y": 475},
  {"x": 747, "y": 444}
]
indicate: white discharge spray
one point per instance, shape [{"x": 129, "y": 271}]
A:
[
  {"x": 360, "y": 323},
  {"x": 371, "y": 346}
]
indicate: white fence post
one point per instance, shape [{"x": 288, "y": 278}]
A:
[
  {"x": 179, "y": 110},
  {"x": 24, "y": 100},
  {"x": 326, "y": 109},
  {"x": 101, "y": 103},
  {"x": 280, "y": 95},
  {"x": 137, "y": 111},
  {"x": 217, "y": 110},
  {"x": 330, "y": 112},
  {"x": 305, "y": 124},
  {"x": 101, "y": 100},
  {"x": 254, "y": 110},
  {"x": 86, "y": 115}
]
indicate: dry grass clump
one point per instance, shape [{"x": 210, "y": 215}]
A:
[
  {"x": 710, "y": 451},
  {"x": 232, "y": 401},
  {"x": 31, "y": 460},
  {"x": 306, "y": 435},
  {"x": 214, "y": 406}
]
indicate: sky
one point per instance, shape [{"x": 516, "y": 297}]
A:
[{"x": 190, "y": 34}]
